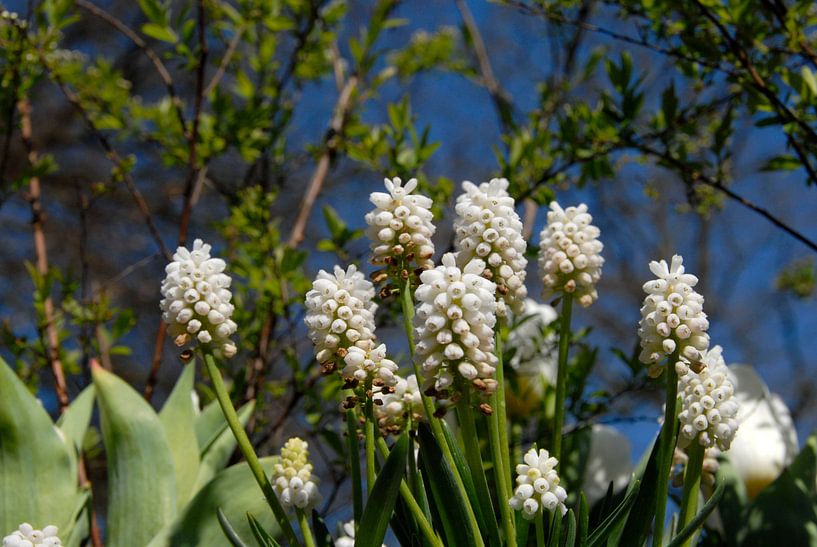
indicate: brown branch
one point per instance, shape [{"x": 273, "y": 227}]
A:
[
  {"x": 331, "y": 143},
  {"x": 37, "y": 222},
  {"x": 9, "y": 120},
  {"x": 693, "y": 176},
  {"x": 137, "y": 40},
  {"x": 113, "y": 156}
]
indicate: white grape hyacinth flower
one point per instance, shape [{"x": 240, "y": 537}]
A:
[
  {"x": 672, "y": 317},
  {"x": 708, "y": 405},
  {"x": 370, "y": 366},
  {"x": 340, "y": 314},
  {"x": 292, "y": 477},
  {"x": 453, "y": 327},
  {"x": 196, "y": 299},
  {"x": 27, "y": 536},
  {"x": 401, "y": 405},
  {"x": 346, "y": 534},
  {"x": 488, "y": 227},
  {"x": 570, "y": 258},
  {"x": 400, "y": 228},
  {"x": 538, "y": 486}
]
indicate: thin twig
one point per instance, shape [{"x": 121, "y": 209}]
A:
[
  {"x": 225, "y": 61},
  {"x": 137, "y": 40},
  {"x": 332, "y": 140},
  {"x": 37, "y": 222}
]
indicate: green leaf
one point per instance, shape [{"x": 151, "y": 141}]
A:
[
  {"x": 380, "y": 505},
  {"x": 160, "y": 32},
  {"x": 336, "y": 225},
  {"x": 229, "y": 531},
  {"x": 263, "y": 537},
  {"x": 37, "y": 477},
  {"x": 446, "y": 497},
  {"x": 619, "y": 514},
  {"x": 76, "y": 418},
  {"x": 787, "y": 506},
  {"x": 584, "y": 520},
  {"x": 236, "y": 493},
  {"x": 733, "y": 503},
  {"x": 219, "y": 451},
  {"x": 638, "y": 523},
  {"x": 570, "y": 533},
  {"x": 693, "y": 525},
  {"x": 154, "y": 11},
  {"x": 784, "y": 162},
  {"x": 322, "y": 536},
  {"x": 142, "y": 482},
  {"x": 178, "y": 418}
]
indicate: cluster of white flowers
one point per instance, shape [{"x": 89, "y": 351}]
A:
[
  {"x": 538, "y": 486},
  {"x": 400, "y": 227},
  {"x": 372, "y": 365},
  {"x": 708, "y": 407},
  {"x": 393, "y": 409},
  {"x": 340, "y": 313},
  {"x": 672, "y": 318},
  {"x": 292, "y": 477},
  {"x": 453, "y": 327},
  {"x": 488, "y": 227},
  {"x": 346, "y": 537},
  {"x": 27, "y": 536},
  {"x": 570, "y": 254},
  {"x": 196, "y": 299}
]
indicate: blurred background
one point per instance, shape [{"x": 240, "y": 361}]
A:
[{"x": 129, "y": 127}]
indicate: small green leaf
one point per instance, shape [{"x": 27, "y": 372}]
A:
[
  {"x": 618, "y": 515},
  {"x": 263, "y": 537},
  {"x": 160, "y": 32},
  {"x": 380, "y": 505}
]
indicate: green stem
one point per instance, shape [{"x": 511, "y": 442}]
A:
[
  {"x": 247, "y": 450},
  {"x": 501, "y": 477},
  {"x": 665, "y": 450},
  {"x": 433, "y": 421},
  {"x": 692, "y": 485},
  {"x": 561, "y": 376},
  {"x": 354, "y": 463},
  {"x": 540, "y": 531},
  {"x": 369, "y": 433},
  {"x": 411, "y": 502},
  {"x": 306, "y": 531},
  {"x": 473, "y": 455},
  {"x": 499, "y": 405}
]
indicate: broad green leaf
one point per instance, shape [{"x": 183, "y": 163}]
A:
[
  {"x": 380, "y": 505},
  {"x": 236, "y": 493},
  {"x": 75, "y": 420},
  {"x": 209, "y": 425},
  {"x": 218, "y": 453},
  {"x": 786, "y": 507},
  {"x": 448, "y": 503},
  {"x": 178, "y": 418},
  {"x": 142, "y": 482},
  {"x": 618, "y": 515},
  {"x": 37, "y": 476}
]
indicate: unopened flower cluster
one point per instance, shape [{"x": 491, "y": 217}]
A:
[
  {"x": 453, "y": 327},
  {"x": 709, "y": 408},
  {"x": 488, "y": 227},
  {"x": 196, "y": 299},
  {"x": 400, "y": 228},
  {"x": 672, "y": 318},
  {"x": 394, "y": 409},
  {"x": 538, "y": 486},
  {"x": 570, "y": 258},
  {"x": 292, "y": 478},
  {"x": 27, "y": 536},
  {"x": 340, "y": 313}
]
